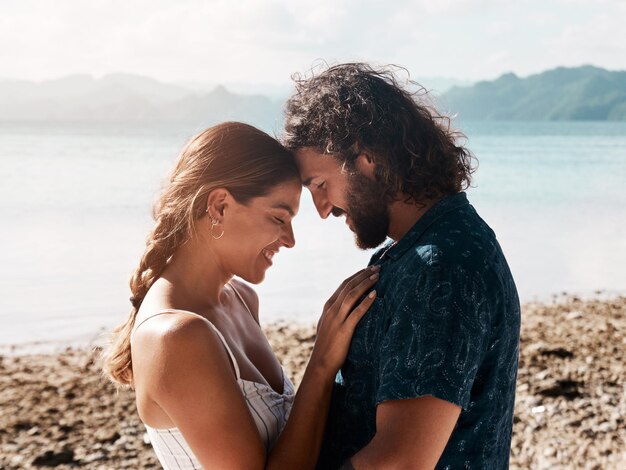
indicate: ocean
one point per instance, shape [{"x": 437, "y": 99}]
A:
[{"x": 75, "y": 204}]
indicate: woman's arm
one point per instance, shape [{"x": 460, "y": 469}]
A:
[
  {"x": 299, "y": 444},
  {"x": 192, "y": 381}
]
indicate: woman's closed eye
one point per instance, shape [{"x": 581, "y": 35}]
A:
[{"x": 279, "y": 221}]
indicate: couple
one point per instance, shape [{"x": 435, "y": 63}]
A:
[{"x": 415, "y": 359}]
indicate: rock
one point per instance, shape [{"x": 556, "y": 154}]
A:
[
  {"x": 570, "y": 403},
  {"x": 51, "y": 458},
  {"x": 94, "y": 457},
  {"x": 556, "y": 352},
  {"x": 107, "y": 435},
  {"x": 569, "y": 389}
]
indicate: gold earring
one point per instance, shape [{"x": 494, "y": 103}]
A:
[{"x": 214, "y": 223}]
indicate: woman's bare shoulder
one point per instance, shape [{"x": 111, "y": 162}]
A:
[
  {"x": 169, "y": 325},
  {"x": 176, "y": 340}
]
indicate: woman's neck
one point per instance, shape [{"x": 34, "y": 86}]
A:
[{"x": 195, "y": 277}]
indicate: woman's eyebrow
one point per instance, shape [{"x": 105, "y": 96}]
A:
[{"x": 284, "y": 207}]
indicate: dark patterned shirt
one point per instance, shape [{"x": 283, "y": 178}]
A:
[{"x": 445, "y": 323}]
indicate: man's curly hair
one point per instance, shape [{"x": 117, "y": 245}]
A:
[{"x": 349, "y": 108}]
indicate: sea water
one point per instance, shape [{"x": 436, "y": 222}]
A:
[{"x": 75, "y": 201}]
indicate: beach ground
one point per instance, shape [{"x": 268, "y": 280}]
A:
[{"x": 56, "y": 410}]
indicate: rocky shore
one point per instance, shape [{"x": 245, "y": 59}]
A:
[{"x": 57, "y": 411}]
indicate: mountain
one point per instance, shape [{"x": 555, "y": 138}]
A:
[
  {"x": 123, "y": 97},
  {"x": 579, "y": 93},
  {"x": 438, "y": 85},
  {"x": 220, "y": 104}
]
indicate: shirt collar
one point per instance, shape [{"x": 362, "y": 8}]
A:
[{"x": 445, "y": 205}]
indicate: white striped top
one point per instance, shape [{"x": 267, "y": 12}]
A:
[{"x": 269, "y": 409}]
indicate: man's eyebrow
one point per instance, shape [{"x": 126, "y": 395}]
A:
[{"x": 284, "y": 207}]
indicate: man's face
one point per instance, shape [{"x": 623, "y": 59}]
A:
[{"x": 340, "y": 192}]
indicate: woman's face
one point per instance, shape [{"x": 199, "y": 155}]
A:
[{"x": 254, "y": 232}]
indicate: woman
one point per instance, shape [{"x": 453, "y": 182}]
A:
[{"x": 208, "y": 386}]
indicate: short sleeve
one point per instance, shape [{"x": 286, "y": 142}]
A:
[{"x": 437, "y": 337}]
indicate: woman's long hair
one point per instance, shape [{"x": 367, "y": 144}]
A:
[{"x": 232, "y": 155}]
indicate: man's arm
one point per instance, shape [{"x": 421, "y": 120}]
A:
[
  {"x": 428, "y": 364},
  {"x": 410, "y": 434}
]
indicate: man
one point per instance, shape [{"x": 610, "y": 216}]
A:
[{"x": 429, "y": 380}]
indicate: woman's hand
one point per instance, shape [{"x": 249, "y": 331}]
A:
[
  {"x": 339, "y": 319},
  {"x": 299, "y": 444}
]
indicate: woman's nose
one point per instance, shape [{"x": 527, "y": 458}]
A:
[{"x": 288, "y": 238}]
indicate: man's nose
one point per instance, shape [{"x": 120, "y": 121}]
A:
[{"x": 322, "y": 204}]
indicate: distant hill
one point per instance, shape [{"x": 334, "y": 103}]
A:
[
  {"x": 580, "y": 93},
  {"x": 439, "y": 85},
  {"x": 122, "y": 97}
]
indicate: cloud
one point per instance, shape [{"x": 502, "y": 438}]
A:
[
  {"x": 268, "y": 40},
  {"x": 591, "y": 2},
  {"x": 600, "y": 41}
]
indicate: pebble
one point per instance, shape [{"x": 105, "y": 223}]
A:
[{"x": 57, "y": 410}]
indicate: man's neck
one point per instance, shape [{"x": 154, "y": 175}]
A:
[{"x": 403, "y": 215}]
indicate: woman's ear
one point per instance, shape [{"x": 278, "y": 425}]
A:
[{"x": 217, "y": 200}]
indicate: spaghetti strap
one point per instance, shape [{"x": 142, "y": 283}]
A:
[
  {"x": 241, "y": 298},
  {"x": 268, "y": 408},
  {"x": 219, "y": 334},
  {"x": 282, "y": 371}
]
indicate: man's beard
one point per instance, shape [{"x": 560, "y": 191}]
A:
[{"x": 368, "y": 210}]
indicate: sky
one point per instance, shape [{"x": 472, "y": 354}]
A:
[{"x": 265, "y": 42}]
